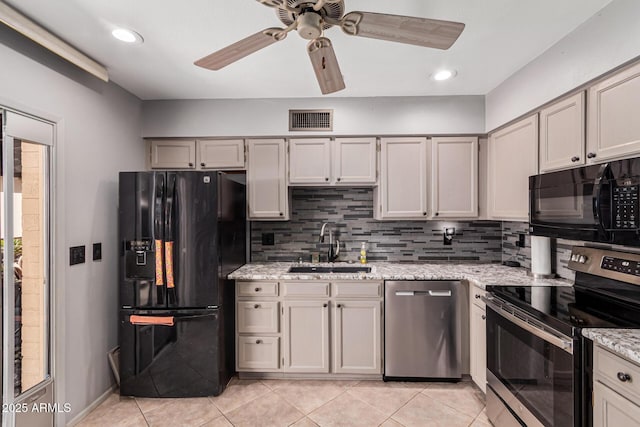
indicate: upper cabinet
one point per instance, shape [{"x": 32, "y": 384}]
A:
[
  {"x": 173, "y": 154},
  {"x": 267, "y": 180},
  {"x": 402, "y": 192},
  {"x": 310, "y": 161},
  {"x": 221, "y": 153},
  {"x": 613, "y": 125},
  {"x": 513, "y": 157},
  {"x": 562, "y": 134},
  {"x": 355, "y": 161},
  {"x": 321, "y": 161},
  {"x": 454, "y": 177}
]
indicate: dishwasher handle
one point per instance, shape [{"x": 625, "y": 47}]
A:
[{"x": 423, "y": 293}]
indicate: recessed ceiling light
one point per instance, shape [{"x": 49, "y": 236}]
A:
[
  {"x": 127, "y": 36},
  {"x": 444, "y": 75}
]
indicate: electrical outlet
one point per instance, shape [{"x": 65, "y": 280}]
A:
[
  {"x": 521, "y": 240},
  {"x": 268, "y": 239},
  {"x": 97, "y": 251},
  {"x": 76, "y": 255}
]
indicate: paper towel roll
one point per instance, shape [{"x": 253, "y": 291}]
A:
[{"x": 540, "y": 255}]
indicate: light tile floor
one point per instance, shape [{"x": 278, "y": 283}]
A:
[{"x": 304, "y": 403}]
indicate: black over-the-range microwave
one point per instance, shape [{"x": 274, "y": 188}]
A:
[{"x": 598, "y": 203}]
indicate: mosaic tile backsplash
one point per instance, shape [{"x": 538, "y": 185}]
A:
[{"x": 350, "y": 212}]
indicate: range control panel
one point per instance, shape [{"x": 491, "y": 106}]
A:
[
  {"x": 625, "y": 207},
  {"x": 622, "y": 266}
]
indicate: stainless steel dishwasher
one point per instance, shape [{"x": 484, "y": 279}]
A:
[{"x": 422, "y": 329}]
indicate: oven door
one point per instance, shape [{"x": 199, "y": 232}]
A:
[{"x": 530, "y": 369}]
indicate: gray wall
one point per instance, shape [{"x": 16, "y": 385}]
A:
[
  {"x": 352, "y": 116},
  {"x": 99, "y": 128},
  {"x": 605, "y": 41},
  {"x": 351, "y": 212}
]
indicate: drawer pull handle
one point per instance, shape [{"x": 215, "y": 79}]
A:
[
  {"x": 484, "y": 317},
  {"x": 339, "y": 305},
  {"x": 258, "y": 289},
  {"x": 256, "y": 306},
  {"x": 258, "y": 341},
  {"x": 325, "y": 305},
  {"x": 624, "y": 377},
  {"x": 477, "y": 296}
]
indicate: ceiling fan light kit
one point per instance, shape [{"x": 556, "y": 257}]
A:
[{"x": 311, "y": 17}]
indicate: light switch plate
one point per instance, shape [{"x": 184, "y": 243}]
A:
[
  {"x": 76, "y": 255},
  {"x": 97, "y": 251}
]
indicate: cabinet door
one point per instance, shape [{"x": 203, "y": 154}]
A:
[
  {"x": 310, "y": 161},
  {"x": 612, "y": 410},
  {"x": 562, "y": 139},
  {"x": 173, "y": 154},
  {"x": 455, "y": 177},
  {"x": 221, "y": 153},
  {"x": 355, "y": 161},
  {"x": 513, "y": 157},
  {"x": 403, "y": 179},
  {"x": 478, "y": 346},
  {"x": 306, "y": 336},
  {"x": 266, "y": 180},
  {"x": 357, "y": 337},
  {"x": 614, "y": 128}
]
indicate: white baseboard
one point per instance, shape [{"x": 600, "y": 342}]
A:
[{"x": 104, "y": 396}]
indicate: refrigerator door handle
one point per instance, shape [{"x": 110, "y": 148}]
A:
[
  {"x": 151, "y": 320},
  {"x": 169, "y": 237},
  {"x": 158, "y": 222}
]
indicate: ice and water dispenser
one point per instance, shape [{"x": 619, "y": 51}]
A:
[{"x": 140, "y": 260}]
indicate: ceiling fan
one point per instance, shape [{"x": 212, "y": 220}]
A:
[{"x": 311, "y": 17}]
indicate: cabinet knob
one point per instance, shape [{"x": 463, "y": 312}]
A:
[
  {"x": 575, "y": 159},
  {"x": 203, "y": 164},
  {"x": 591, "y": 155},
  {"x": 477, "y": 296},
  {"x": 325, "y": 305},
  {"x": 258, "y": 289},
  {"x": 484, "y": 317},
  {"x": 326, "y": 179},
  {"x": 258, "y": 341},
  {"x": 437, "y": 214},
  {"x": 424, "y": 213},
  {"x": 624, "y": 377},
  {"x": 339, "y": 179},
  {"x": 281, "y": 214},
  {"x": 256, "y": 306},
  {"x": 190, "y": 164},
  {"x": 339, "y": 305}
]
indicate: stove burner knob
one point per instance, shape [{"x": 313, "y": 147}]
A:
[{"x": 624, "y": 377}]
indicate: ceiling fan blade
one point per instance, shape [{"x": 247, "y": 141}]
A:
[
  {"x": 325, "y": 65},
  {"x": 402, "y": 29},
  {"x": 242, "y": 48}
]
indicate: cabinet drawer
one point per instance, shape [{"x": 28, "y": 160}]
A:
[
  {"x": 607, "y": 366},
  {"x": 257, "y": 317},
  {"x": 476, "y": 295},
  {"x": 311, "y": 288},
  {"x": 358, "y": 289},
  {"x": 253, "y": 289},
  {"x": 256, "y": 353}
]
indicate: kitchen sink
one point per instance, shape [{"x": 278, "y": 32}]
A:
[{"x": 311, "y": 269}]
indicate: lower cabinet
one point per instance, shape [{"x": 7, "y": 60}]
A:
[
  {"x": 478, "y": 338},
  {"x": 615, "y": 391},
  {"x": 306, "y": 336},
  {"x": 357, "y": 337},
  {"x": 309, "y": 327}
]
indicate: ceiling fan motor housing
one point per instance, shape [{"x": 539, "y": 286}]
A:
[{"x": 310, "y": 25}]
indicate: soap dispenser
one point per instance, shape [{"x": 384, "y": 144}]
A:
[{"x": 363, "y": 253}]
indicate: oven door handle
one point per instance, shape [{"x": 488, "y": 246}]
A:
[{"x": 562, "y": 343}]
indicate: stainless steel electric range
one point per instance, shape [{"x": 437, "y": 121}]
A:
[{"x": 539, "y": 367}]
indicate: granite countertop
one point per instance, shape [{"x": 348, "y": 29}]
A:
[
  {"x": 481, "y": 275},
  {"x": 625, "y": 342}
]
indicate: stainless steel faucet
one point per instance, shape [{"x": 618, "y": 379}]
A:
[{"x": 333, "y": 252}]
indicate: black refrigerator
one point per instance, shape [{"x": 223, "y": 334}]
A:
[{"x": 180, "y": 235}]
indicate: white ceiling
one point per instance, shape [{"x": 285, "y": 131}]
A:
[{"x": 500, "y": 37}]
